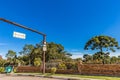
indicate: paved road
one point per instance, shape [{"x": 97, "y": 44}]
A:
[
  {"x": 15, "y": 77},
  {"x": 4, "y": 77}
]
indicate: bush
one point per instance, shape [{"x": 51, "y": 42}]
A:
[
  {"x": 62, "y": 66},
  {"x": 2, "y": 69},
  {"x": 71, "y": 65},
  {"x": 37, "y": 62},
  {"x": 14, "y": 70},
  {"x": 53, "y": 70}
]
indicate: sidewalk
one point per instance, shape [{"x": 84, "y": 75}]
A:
[
  {"x": 12, "y": 77},
  {"x": 54, "y": 77}
]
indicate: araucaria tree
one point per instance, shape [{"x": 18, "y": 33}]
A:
[{"x": 102, "y": 43}]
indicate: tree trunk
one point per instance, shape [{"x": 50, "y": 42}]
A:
[{"x": 103, "y": 60}]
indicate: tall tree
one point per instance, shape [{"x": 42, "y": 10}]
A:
[
  {"x": 114, "y": 60},
  {"x": 103, "y": 44},
  {"x": 87, "y": 58},
  {"x": 99, "y": 57},
  {"x": 56, "y": 51},
  {"x": 11, "y": 54},
  {"x": 36, "y": 53},
  {"x": 27, "y": 49}
]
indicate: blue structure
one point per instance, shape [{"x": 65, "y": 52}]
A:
[{"x": 8, "y": 69}]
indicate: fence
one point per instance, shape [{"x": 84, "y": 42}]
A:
[
  {"x": 28, "y": 69},
  {"x": 99, "y": 69},
  {"x": 85, "y": 69},
  {"x": 38, "y": 69}
]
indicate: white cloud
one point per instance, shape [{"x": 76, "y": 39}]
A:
[
  {"x": 117, "y": 53},
  {"x": 76, "y": 53},
  {"x": 2, "y": 54},
  {"x": 74, "y": 56}
]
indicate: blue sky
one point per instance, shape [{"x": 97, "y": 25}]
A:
[{"x": 68, "y": 22}]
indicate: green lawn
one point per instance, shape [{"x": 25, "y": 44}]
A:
[
  {"x": 92, "y": 77},
  {"x": 75, "y": 76}
]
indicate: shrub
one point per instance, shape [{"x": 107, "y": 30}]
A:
[
  {"x": 62, "y": 66},
  {"x": 2, "y": 69},
  {"x": 53, "y": 70},
  {"x": 71, "y": 65},
  {"x": 37, "y": 62},
  {"x": 14, "y": 70}
]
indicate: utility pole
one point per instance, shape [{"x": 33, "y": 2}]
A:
[
  {"x": 30, "y": 29},
  {"x": 44, "y": 50}
]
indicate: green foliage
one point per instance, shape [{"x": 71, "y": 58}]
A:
[
  {"x": 30, "y": 52},
  {"x": 99, "y": 58},
  {"x": 36, "y": 53},
  {"x": 62, "y": 66},
  {"x": 11, "y": 57},
  {"x": 56, "y": 51},
  {"x": 53, "y": 70},
  {"x": 11, "y": 54},
  {"x": 37, "y": 62},
  {"x": 87, "y": 58},
  {"x": 2, "y": 69},
  {"x": 71, "y": 65},
  {"x": 26, "y": 52},
  {"x": 103, "y": 44},
  {"x": 14, "y": 70},
  {"x": 114, "y": 60},
  {"x": 27, "y": 49},
  {"x": 2, "y": 62},
  {"x": 78, "y": 59}
]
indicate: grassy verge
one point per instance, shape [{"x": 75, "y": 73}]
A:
[
  {"x": 91, "y": 77},
  {"x": 76, "y": 76}
]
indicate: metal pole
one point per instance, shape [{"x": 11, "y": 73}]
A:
[
  {"x": 44, "y": 50},
  {"x": 43, "y": 62},
  {"x": 24, "y": 27},
  {"x": 21, "y": 26}
]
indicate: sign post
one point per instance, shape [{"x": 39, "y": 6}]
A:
[{"x": 21, "y": 35}]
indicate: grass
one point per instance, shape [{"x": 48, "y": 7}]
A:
[
  {"x": 91, "y": 77},
  {"x": 75, "y": 76}
]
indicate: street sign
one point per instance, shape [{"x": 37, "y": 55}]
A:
[
  {"x": 19, "y": 35},
  {"x": 44, "y": 48}
]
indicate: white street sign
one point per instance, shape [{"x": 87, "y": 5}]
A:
[
  {"x": 44, "y": 47},
  {"x": 19, "y": 35}
]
